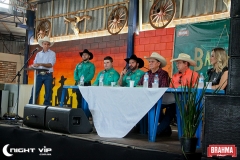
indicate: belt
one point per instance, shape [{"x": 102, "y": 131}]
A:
[{"x": 44, "y": 72}]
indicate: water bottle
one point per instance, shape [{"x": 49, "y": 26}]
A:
[
  {"x": 81, "y": 83},
  {"x": 156, "y": 81},
  {"x": 145, "y": 80},
  {"x": 201, "y": 81},
  {"x": 101, "y": 79}
]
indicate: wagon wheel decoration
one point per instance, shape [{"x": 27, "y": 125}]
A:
[
  {"x": 43, "y": 29},
  {"x": 117, "y": 19},
  {"x": 161, "y": 13}
]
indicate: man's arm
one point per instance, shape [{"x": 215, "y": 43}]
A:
[
  {"x": 116, "y": 76},
  {"x": 76, "y": 76},
  {"x": 141, "y": 81},
  {"x": 91, "y": 73},
  {"x": 164, "y": 79},
  {"x": 47, "y": 65},
  {"x": 121, "y": 78}
]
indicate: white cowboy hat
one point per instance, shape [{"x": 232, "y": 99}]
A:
[
  {"x": 158, "y": 57},
  {"x": 185, "y": 57},
  {"x": 45, "y": 39}
]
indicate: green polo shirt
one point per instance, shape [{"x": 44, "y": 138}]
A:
[
  {"x": 87, "y": 69},
  {"x": 135, "y": 76},
  {"x": 110, "y": 75}
]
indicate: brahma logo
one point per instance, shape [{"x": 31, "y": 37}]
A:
[
  {"x": 222, "y": 150},
  {"x": 183, "y": 32},
  {"x": 43, "y": 151}
]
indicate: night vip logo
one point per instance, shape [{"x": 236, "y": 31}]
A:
[{"x": 42, "y": 151}]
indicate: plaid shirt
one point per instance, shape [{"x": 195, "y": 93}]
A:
[{"x": 162, "y": 75}]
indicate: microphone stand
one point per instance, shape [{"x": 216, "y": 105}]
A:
[{"x": 18, "y": 82}]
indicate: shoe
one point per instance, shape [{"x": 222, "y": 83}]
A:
[{"x": 166, "y": 133}]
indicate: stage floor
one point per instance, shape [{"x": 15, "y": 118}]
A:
[
  {"x": 132, "y": 140},
  {"x": 91, "y": 146}
]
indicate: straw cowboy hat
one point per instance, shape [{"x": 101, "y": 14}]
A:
[
  {"x": 139, "y": 60},
  {"x": 45, "y": 39},
  {"x": 158, "y": 57},
  {"x": 185, "y": 57},
  {"x": 86, "y": 51}
]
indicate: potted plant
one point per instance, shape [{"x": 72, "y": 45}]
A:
[{"x": 189, "y": 100}]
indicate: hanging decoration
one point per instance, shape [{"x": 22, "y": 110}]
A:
[
  {"x": 74, "y": 22},
  {"x": 43, "y": 29},
  {"x": 162, "y": 13},
  {"x": 117, "y": 19}
]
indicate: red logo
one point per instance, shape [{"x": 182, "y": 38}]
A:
[{"x": 222, "y": 150}]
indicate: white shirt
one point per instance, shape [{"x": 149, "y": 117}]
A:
[{"x": 46, "y": 57}]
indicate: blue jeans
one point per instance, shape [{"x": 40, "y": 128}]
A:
[
  {"x": 47, "y": 81},
  {"x": 165, "y": 119}
]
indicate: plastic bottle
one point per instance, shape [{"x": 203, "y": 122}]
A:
[
  {"x": 81, "y": 83},
  {"x": 201, "y": 81},
  {"x": 156, "y": 80},
  {"x": 101, "y": 79},
  {"x": 145, "y": 80}
]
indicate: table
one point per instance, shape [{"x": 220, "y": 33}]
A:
[
  {"x": 116, "y": 110},
  {"x": 94, "y": 94}
]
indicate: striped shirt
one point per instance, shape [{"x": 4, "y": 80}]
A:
[{"x": 46, "y": 57}]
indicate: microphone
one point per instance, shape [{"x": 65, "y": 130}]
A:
[{"x": 34, "y": 50}]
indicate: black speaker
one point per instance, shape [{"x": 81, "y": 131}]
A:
[
  {"x": 34, "y": 116},
  {"x": 234, "y": 43},
  {"x": 233, "y": 87},
  {"x": 235, "y": 8},
  {"x": 221, "y": 121},
  {"x": 67, "y": 120}
]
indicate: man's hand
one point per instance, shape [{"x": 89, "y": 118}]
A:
[
  {"x": 36, "y": 64},
  {"x": 123, "y": 72}
]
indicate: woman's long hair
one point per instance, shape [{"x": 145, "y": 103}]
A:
[{"x": 222, "y": 59}]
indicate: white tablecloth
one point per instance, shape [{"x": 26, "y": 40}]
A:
[{"x": 116, "y": 110}]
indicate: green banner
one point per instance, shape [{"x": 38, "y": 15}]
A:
[{"x": 199, "y": 39}]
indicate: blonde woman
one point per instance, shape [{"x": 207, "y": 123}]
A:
[{"x": 218, "y": 75}]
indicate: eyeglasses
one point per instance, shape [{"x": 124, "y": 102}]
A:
[{"x": 180, "y": 80}]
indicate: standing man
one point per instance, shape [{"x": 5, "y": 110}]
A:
[
  {"x": 185, "y": 74},
  {"x": 109, "y": 73},
  {"x": 86, "y": 69},
  {"x": 156, "y": 63},
  {"x": 133, "y": 73},
  {"x": 44, "y": 59}
]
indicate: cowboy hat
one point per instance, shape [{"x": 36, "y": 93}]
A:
[
  {"x": 86, "y": 51},
  {"x": 185, "y": 57},
  {"x": 139, "y": 60},
  {"x": 45, "y": 39},
  {"x": 158, "y": 57}
]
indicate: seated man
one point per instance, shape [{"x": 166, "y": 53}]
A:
[
  {"x": 156, "y": 63},
  {"x": 108, "y": 75},
  {"x": 133, "y": 73},
  {"x": 184, "y": 75},
  {"x": 181, "y": 78}
]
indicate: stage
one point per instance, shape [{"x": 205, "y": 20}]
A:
[{"x": 45, "y": 144}]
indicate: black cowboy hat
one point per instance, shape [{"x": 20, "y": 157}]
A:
[
  {"x": 86, "y": 51},
  {"x": 139, "y": 60}
]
